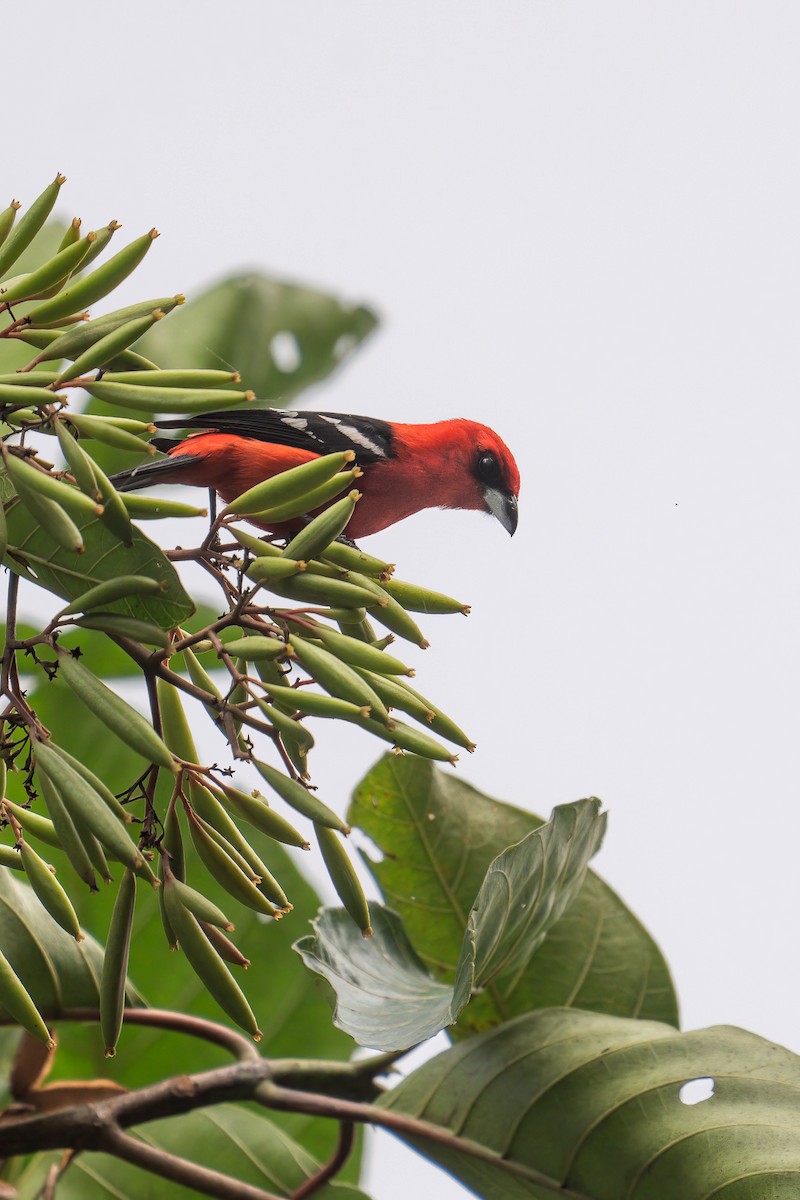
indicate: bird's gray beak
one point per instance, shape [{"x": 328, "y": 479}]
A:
[{"x": 503, "y": 506}]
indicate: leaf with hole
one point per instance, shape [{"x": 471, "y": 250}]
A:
[
  {"x": 564, "y": 1103},
  {"x": 281, "y": 337}
]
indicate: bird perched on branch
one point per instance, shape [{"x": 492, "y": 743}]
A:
[{"x": 447, "y": 464}]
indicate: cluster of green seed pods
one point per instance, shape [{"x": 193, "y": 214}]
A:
[{"x": 298, "y": 644}]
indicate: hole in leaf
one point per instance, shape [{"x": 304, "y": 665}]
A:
[
  {"x": 344, "y": 344},
  {"x": 285, "y": 351},
  {"x": 695, "y": 1091},
  {"x": 371, "y": 850}
]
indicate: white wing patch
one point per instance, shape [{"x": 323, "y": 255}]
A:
[
  {"x": 296, "y": 422},
  {"x": 361, "y": 439}
]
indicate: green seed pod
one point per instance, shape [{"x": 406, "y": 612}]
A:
[
  {"x": 348, "y": 558},
  {"x": 314, "y": 589},
  {"x": 257, "y": 547},
  {"x": 9, "y": 857},
  {"x": 24, "y": 393},
  {"x": 200, "y": 678},
  {"x": 172, "y": 861},
  {"x": 49, "y": 891},
  {"x": 68, "y": 837},
  {"x": 72, "y": 234},
  {"x": 21, "y": 236},
  {"x": 113, "y": 589},
  {"x": 395, "y": 695},
  {"x": 34, "y": 824},
  {"x": 269, "y": 569},
  {"x": 232, "y": 852},
  {"x": 94, "y": 286},
  {"x": 422, "y": 600},
  {"x": 256, "y": 811},
  {"x": 102, "y": 237},
  {"x": 148, "y": 508},
  {"x": 358, "y": 653},
  {"x": 292, "y": 732},
  {"x": 207, "y": 964},
  {"x": 337, "y": 678},
  {"x": 78, "y": 461},
  {"x": 52, "y": 518},
  {"x": 28, "y": 479},
  {"x": 175, "y": 727},
  {"x": 80, "y": 797},
  {"x": 299, "y": 798},
  {"x": 405, "y": 737},
  {"x": 36, "y": 380},
  {"x": 256, "y": 648},
  {"x": 142, "y": 398},
  {"x": 433, "y": 717},
  {"x": 115, "y": 964},
  {"x": 95, "y": 851},
  {"x": 121, "y": 626},
  {"x": 111, "y": 431},
  {"x": 106, "y": 348},
  {"x": 176, "y": 377},
  {"x": 3, "y": 532},
  {"x": 305, "y": 701},
  {"x": 114, "y": 515},
  {"x": 115, "y": 713},
  {"x": 15, "y": 999},
  {"x": 310, "y": 501},
  {"x": 225, "y": 868},
  {"x": 56, "y": 344},
  {"x": 208, "y": 807},
  {"x": 343, "y": 877},
  {"x": 104, "y": 792},
  {"x": 323, "y": 529},
  {"x": 129, "y": 360},
  {"x": 7, "y": 218},
  {"x": 390, "y": 613},
  {"x": 200, "y": 905},
  {"x": 52, "y": 274},
  {"x": 224, "y": 946},
  {"x": 290, "y": 485}
]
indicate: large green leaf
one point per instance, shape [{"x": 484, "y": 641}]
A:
[
  {"x": 386, "y": 998},
  {"x": 246, "y": 1145},
  {"x": 57, "y": 971},
  {"x": 38, "y": 558},
  {"x": 590, "y": 1107},
  {"x": 280, "y": 337},
  {"x": 438, "y": 836}
]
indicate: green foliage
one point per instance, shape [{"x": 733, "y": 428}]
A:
[
  {"x": 567, "y": 1073},
  {"x": 525, "y": 891},
  {"x": 281, "y": 337},
  {"x": 580, "y": 1104}
]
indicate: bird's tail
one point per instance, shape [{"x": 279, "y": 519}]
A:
[{"x": 164, "y": 470}]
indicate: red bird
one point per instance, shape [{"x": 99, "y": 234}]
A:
[{"x": 448, "y": 464}]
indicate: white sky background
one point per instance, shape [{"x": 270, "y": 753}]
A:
[{"x": 580, "y": 224}]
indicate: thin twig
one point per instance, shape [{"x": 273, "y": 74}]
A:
[{"x": 344, "y": 1147}]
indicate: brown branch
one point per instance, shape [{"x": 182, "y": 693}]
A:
[
  {"x": 180, "y": 1170},
  {"x": 344, "y": 1147}
]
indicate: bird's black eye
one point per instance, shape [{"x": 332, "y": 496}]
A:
[{"x": 489, "y": 469}]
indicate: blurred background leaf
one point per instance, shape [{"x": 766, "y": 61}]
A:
[{"x": 280, "y": 337}]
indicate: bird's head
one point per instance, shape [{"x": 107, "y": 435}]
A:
[
  {"x": 462, "y": 464},
  {"x": 497, "y": 476}
]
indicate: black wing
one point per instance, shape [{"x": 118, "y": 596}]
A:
[{"x": 321, "y": 433}]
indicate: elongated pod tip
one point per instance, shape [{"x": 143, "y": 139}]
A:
[
  {"x": 368, "y": 932},
  {"x": 110, "y": 1052},
  {"x": 15, "y": 204},
  {"x": 60, "y": 178},
  {"x": 114, "y": 226},
  {"x": 153, "y": 233}
]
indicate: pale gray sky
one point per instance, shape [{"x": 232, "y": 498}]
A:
[{"x": 580, "y": 224}]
